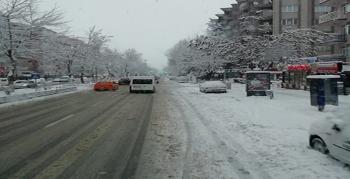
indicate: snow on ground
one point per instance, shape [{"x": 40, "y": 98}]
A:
[
  {"x": 80, "y": 87},
  {"x": 268, "y": 137}
]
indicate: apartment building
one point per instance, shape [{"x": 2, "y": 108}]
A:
[
  {"x": 318, "y": 14},
  {"x": 265, "y": 7},
  {"x": 338, "y": 19}
]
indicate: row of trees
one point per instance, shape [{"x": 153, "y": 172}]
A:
[
  {"x": 247, "y": 46},
  {"x": 27, "y": 42}
]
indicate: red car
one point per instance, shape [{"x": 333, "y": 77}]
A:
[{"x": 106, "y": 85}]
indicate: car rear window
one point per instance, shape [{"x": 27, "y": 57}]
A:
[{"x": 142, "y": 81}]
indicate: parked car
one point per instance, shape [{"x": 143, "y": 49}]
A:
[
  {"x": 212, "y": 87},
  {"x": 124, "y": 81},
  {"x": 32, "y": 84},
  {"x": 4, "y": 81},
  {"x": 19, "y": 84},
  {"x": 182, "y": 79},
  {"x": 65, "y": 79},
  {"x": 332, "y": 136},
  {"x": 106, "y": 85},
  {"x": 142, "y": 84}
]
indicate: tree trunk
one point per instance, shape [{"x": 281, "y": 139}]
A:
[
  {"x": 96, "y": 73},
  {"x": 68, "y": 70},
  {"x": 82, "y": 74}
]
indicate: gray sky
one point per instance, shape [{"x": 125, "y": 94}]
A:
[{"x": 149, "y": 26}]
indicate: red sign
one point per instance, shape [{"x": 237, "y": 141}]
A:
[
  {"x": 299, "y": 67},
  {"x": 327, "y": 68},
  {"x": 2, "y": 68}
]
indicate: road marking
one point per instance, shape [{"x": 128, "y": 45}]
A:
[
  {"x": 97, "y": 103},
  {"x": 63, "y": 119}
]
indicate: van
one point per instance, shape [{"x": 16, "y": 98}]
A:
[
  {"x": 4, "y": 81},
  {"x": 142, "y": 84}
]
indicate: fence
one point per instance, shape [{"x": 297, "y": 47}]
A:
[{"x": 12, "y": 98}]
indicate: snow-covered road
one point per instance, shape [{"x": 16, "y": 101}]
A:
[{"x": 234, "y": 136}]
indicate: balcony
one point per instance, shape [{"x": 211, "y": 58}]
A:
[
  {"x": 332, "y": 3},
  {"x": 335, "y": 18},
  {"x": 335, "y": 38},
  {"x": 263, "y": 4},
  {"x": 333, "y": 57},
  {"x": 267, "y": 15}
]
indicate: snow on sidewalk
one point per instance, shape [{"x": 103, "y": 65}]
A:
[
  {"x": 80, "y": 87},
  {"x": 270, "y": 136}
]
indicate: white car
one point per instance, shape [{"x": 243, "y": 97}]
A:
[
  {"x": 142, "y": 84},
  {"x": 182, "y": 79},
  {"x": 19, "y": 84},
  {"x": 332, "y": 135},
  {"x": 213, "y": 87}
]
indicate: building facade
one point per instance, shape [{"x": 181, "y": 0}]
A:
[
  {"x": 338, "y": 19},
  {"x": 317, "y": 14}
]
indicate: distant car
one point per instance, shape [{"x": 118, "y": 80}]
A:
[
  {"x": 142, "y": 84},
  {"x": 212, "y": 87},
  {"x": 20, "y": 84},
  {"x": 65, "y": 79},
  {"x": 106, "y": 85},
  {"x": 124, "y": 81},
  {"x": 182, "y": 79},
  {"x": 4, "y": 81},
  {"x": 332, "y": 136}
]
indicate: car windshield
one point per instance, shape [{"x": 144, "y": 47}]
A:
[{"x": 142, "y": 81}]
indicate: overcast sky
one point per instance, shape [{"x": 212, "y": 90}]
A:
[{"x": 149, "y": 26}]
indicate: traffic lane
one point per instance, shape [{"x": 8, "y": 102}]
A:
[
  {"x": 16, "y": 128},
  {"x": 24, "y": 140},
  {"x": 79, "y": 141},
  {"x": 30, "y": 107}
]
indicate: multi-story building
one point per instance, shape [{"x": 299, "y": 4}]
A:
[
  {"x": 338, "y": 19},
  {"x": 314, "y": 14}
]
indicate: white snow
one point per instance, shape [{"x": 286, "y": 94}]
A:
[
  {"x": 323, "y": 76},
  {"x": 266, "y": 137},
  {"x": 80, "y": 87}
]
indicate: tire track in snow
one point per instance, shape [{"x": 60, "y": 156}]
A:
[
  {"x": 186, "y": 174},
  {"x": 229, "y": 153}
]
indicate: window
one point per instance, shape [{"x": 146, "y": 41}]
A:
[
  {"x": 290, "y": 8},
  {"x": 323, "y": 9},
  {"x": 316, "y": 22},
  {"x": 346, "y": 8},
  {"x": 142, "y": 81},
  {"x": 267, "y": 12},
  {"x": 346, "y": 29},
  {"x": 323, "y": 48},
  {"x": 346, "y": 51},
  {"x": 289, "y": 21}
]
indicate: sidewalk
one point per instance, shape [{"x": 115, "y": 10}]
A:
[{"x": 27, "y": 95}]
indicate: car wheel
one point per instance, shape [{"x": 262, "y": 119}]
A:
[{"x": 319, "y": 145}]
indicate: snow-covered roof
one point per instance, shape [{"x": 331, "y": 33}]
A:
[{"x": 322, "y": 76}]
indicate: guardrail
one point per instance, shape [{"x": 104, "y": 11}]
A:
[{"x": 11, "y": 98}]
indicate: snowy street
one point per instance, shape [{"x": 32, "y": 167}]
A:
[
  {"x": 176, "y": 132},
  {"x": 234, "y": 136}
]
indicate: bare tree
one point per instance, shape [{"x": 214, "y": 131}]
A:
[{"x": 23, "y": 23}]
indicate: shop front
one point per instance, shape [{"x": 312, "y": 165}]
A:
[{"x": 295, "y": 77}]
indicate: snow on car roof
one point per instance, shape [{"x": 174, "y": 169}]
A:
[
  {"x": 322, "y": 76},
  {"x": 213, "y": 83}
]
